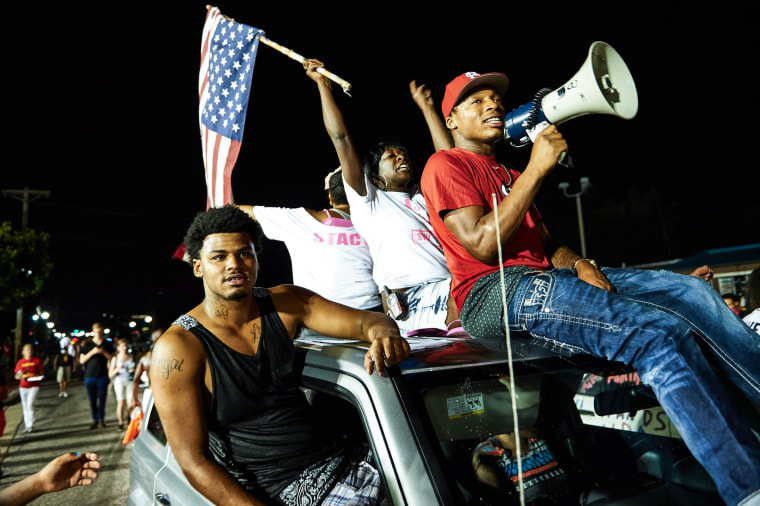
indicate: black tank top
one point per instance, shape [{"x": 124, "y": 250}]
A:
[{"x": 260, "y": 425}]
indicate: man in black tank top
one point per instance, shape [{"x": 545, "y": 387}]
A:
[{"x": 227, "y": 367}]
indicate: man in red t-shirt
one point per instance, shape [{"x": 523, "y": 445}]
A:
[
  {"x": 675, "y": 330},
  {"x": 459, "y": 186}
]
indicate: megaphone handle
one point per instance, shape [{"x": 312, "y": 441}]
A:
[{"x": 563, "y": 158}]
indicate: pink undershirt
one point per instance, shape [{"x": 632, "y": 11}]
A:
[{"x": 336, "y": 222}]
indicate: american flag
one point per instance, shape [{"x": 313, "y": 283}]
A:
[{"x": 228, "y": 53}]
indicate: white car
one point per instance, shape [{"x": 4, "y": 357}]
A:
[{"x": 426, "y": 419}]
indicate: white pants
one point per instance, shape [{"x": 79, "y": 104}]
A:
[
  {"x": 123, "y": 389},
  {"x": 28, "y": 397}
]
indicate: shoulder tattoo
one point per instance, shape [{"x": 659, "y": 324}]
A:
[{"x": 166, "y": 365}]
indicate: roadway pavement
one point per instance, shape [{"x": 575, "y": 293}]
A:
[{"x": 63, "y": 425}]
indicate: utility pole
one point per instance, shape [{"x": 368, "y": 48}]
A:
[{"x": 25, "y": 196}]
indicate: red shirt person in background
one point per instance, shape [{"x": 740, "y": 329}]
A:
[{"x": 29, "y": 373}]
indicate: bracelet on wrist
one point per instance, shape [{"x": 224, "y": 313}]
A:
[{"x": 589, "y": 260}]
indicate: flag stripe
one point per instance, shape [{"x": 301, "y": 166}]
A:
[
  {"x": 220, "y": 161},
  {"x": 212, "y": 19}
]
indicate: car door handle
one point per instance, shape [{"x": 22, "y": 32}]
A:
[{"x": 163, "y": 499}]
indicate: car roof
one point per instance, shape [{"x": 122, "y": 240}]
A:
[{"x": 435, "y": 353}]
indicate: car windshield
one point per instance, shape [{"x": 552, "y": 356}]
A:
[{"x": 588, "y": 426}]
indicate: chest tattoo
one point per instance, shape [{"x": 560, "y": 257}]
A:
[{"x": 255, "y": 333}]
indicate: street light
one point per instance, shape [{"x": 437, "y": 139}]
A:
[
  {"x": 41, "y": 317},
  {"x": 40, "y": 314},
  {"x": 585, "y": 185}
]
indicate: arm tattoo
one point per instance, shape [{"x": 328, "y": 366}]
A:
[{"x": 166, "y": 365}]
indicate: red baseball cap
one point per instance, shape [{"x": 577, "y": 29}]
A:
[{"x": 461, "y": 85}]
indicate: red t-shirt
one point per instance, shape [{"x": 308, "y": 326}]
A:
[
  {"x": 458, "y": 178},
  {"x": 30, "y": 367}
]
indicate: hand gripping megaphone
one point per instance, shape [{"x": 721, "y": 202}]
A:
[{"x": 603, "y": 85}]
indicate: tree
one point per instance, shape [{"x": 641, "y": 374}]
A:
[{"x": 25, "y": 264}]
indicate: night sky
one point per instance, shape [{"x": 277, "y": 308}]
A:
[{"x": 103, "y": 114}]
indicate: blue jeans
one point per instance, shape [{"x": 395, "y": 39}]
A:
[
  {"x": 97, "y": 391},
  {"x": 673, "y": 329}
]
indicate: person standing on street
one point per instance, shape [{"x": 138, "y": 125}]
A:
[
  {"x": 95, "y": 356},
  {"x": 28, "y": 371},
  {"x": 64, "y": 364},
  {"x": 120, "y": 371}
]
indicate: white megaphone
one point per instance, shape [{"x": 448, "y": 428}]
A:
[{"x": 603, "y": 85}]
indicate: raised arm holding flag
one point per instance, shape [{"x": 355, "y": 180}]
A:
[{"x": 228, "y": 54}]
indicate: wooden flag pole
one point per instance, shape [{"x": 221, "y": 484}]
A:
[{"x": 297, "y": 57}]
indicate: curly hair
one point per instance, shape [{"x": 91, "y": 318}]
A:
[{"x": 220, "y": 220}]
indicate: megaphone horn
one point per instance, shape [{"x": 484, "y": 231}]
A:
[{"x": 603, "y": 85}]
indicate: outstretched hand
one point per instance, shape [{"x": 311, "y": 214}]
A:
[
  {"x": 69, "y": 470},
  {"x": 422, "y": 95}
]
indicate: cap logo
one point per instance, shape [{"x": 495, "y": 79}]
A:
[{"x": 472, "y": 75}]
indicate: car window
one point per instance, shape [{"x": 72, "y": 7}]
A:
[
  {"x": 155, "y": 427},
  {"x": 336, "y": 415},
  {"x": 462, "y": 409},
  {"x": 468, "y": 413},
  {"x": 340, "y": 414},
  {"x": 478, "y": 407}
]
